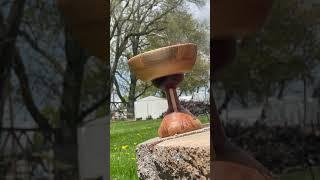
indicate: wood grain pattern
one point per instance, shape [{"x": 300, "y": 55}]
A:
[
  {"x": 178, "y": 123},
  {"x": 164, "y": 61},
  {"x": 238, "y": 18}
]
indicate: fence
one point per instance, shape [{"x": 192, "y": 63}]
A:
[
  {"x": 21, "y": 158},
  {"x": 293, "y": 112},
  {"x": 118, "y": 110},
  {"x": 285, "y": 112}
]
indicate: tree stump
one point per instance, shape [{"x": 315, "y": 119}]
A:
[{"x": 182, "y": 156}]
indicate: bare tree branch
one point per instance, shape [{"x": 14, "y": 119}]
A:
[
  {"x": 144, "y": 90},
  {"x": 121, "y": 76},
  {"x": 37, "y": 48},
  {"x": 20, "y": 71},
  {"x": 8, "y": 34},
  {"x": 14, "y": 17},
  {"x": 93, "y": 107},
  {"x": 118, "y": 91}
]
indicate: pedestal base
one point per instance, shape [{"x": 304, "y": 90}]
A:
[
  {"x": 183, "y": 156},
  {"x": 178, "y": 123}
]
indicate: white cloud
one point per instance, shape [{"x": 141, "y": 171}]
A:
[{"x": 202, "y": 13}]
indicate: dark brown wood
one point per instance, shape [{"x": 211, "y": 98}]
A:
[
  {"x": 177, "y": 119},
  {"x": 238, "y": 18},
  {"x": 88, "y": 23},
  {"x": 168, "y": 84}
]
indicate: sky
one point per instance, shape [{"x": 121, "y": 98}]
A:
[{"x": 202, "y": 13}]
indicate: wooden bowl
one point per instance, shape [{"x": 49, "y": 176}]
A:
[
  {"x": 88, "y": 22},
  {"x": 164, "y": 61},
  {"x": 238, "y": 18}
]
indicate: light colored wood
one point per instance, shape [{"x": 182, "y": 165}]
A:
[
  {"x": 87, "y": 20},
  {"x": 238, "y": 18},
  {"x": 164, "y": 61}
]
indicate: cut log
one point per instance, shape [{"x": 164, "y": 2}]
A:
[{"x": 183, "y": 156}]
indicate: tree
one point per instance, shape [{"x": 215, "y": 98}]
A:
[
  {"x": 8, "y": 34},
  {"x": 50, "y": 65},
  {"x": 285, "y": 50},
  {"x": 196, "y": 79},
  {"x": 150, "y": 21}
]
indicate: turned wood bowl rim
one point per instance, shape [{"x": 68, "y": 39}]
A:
[
  {"x": 164, "y": 61},
  {"x": 158, "y": 50}
]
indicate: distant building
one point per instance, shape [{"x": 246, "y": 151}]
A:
[{"x": 150, "y": 106}]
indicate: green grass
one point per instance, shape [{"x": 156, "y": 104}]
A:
[
  {"x": 124, "y": 137},
  {"x": 302, "y": 175}
]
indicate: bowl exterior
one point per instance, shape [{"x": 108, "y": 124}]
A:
[{"x": 164, "y": 61}]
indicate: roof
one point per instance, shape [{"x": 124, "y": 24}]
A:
[{"x": 151, "y": 98}]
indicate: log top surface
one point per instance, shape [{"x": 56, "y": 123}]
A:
[
  {"x": 182, "y": 156},
  {"x": 181, "y": 137},
  {"x": 194, "y": 140}
]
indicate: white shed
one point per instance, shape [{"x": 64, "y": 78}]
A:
[{"x": 150, "y": 106}]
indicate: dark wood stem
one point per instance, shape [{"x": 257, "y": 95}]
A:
[
  {"x": 168, "y": 84},
  {"x": 173, "y": 101}
]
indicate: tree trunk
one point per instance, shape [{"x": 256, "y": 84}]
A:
[
  {"x": 133, "y": 81},
  {"x": 66, "y": 154},
  {"x": 316, "y": 92},
  {"x": 4, "y": 67},
  {"x": 304, "y": 102},
  {"x": 281, "y": 90},
  {"x": 66, "y": 150},
  {"x": 131, "y": 98}
]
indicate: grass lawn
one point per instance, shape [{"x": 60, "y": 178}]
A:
[
  {"x": 302, "y": 175},
  {"x": 124, "y": 137}
]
